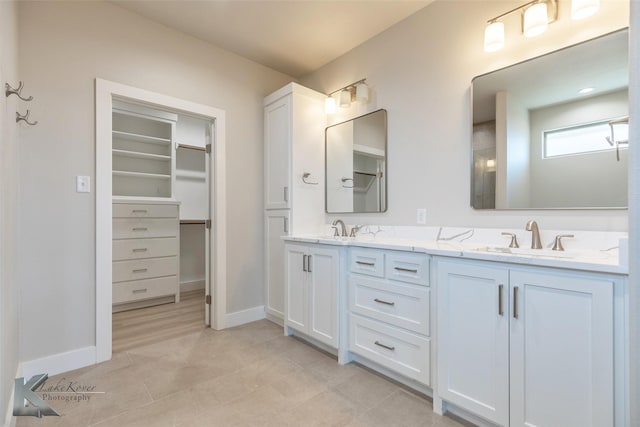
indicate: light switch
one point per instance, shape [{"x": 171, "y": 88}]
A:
[{"x": 83, "y": 184}]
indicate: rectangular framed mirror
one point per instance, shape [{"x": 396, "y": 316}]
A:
[
  {"x": 543, "y": 130},
  {"x": 356, "y": 165}
]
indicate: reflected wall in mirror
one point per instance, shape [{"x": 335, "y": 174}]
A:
[
  {"x": 356, "y": 162},
  {"x": 540, "y": 135}
]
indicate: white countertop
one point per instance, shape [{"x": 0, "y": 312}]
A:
[{"x": 594, "y": 260}]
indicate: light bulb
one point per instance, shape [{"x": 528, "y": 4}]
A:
[
  {"x": 494, "y": 36},
  {"x": 535, "y": 20},
  {"x": 580, "y": 9},
  {"x": 345, "y": 98}
]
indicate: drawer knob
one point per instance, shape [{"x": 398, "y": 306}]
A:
[
  {"x": 388, "y": 347},
  {"x": 139, "y": 291},
  {"x": 406, "y": 270},
  {"x": 381, "y": 301},
  {"x": 140, "y": 270},
  {"x": 371, "y": 264}
]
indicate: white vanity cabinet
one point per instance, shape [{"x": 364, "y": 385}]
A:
[
  {"x": 294, "y": 122},
  {"x": 525, "y": 346},
  {"x": 389, "y": 310},
  {"x": 311, "y": 294}
]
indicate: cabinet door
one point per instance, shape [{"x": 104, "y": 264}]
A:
[
  {"x": 561, "y": 350},
  {"x": 473, "y": 338},
  {"x": 323, "y": 300},
  {"x": 276, "y": 226},
  {"x": 277, "y": 135},
  {"x": 296, "y": 293}
]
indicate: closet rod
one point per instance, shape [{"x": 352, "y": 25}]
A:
[
  {"x": 193, "y": 221},
  {"x": 191, "y": 147}
]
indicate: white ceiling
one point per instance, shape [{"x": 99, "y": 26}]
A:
[{"x": 295, "y": 37}]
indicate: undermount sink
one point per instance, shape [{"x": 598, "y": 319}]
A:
[{"x": 547, "y": 253}]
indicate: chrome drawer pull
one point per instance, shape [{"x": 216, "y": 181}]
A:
[
  {"x": 140, "y": 250},
  {"x": 139, "y": 211},
  {"x": 140, "y": 229},
  {"x": 140, "y": 270},
  {"x": 384, "y": 302},
  {"x": 500, "y": 308},
  {"x": 379, "y": 344},
  {"x": 408, "y": 270},
  {"x": 515, "y": 302},
  {"x": 139, "y": 291},
  {"x": 371, "y": 264}
]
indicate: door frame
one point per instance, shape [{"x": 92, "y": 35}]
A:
[{"x": 106, "y": 91}]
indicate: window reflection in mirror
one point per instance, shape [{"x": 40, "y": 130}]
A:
[
  {"x": 355, "y": 162},
  {"x": 540, "y": 141}
]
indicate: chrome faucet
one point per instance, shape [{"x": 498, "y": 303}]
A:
[
  {"x": 343, "y": 228},
  {"x": 535, "y": 234}
]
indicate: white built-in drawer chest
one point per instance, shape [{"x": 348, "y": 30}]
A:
[
  {"x": 389, "y": 310},
  {"x": 145, "y": 252}
]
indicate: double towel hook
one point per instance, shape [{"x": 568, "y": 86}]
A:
[
  {"x": 8, "y": 91},
  {"x": 25, "y": 118}
]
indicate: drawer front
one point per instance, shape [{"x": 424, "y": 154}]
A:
[
  {"x": 412, "y": 268},
  {"x": 134, "y": 228},
  {"x": 126, "y": 210},
  {"x": 144, "y": 269},
  {"x": 367, "y": 261},
  {"x": 144, "y": 248},
  {"x": 144, "y": 289},
  {"x": 400, "y": 351},
  {"x": 403, "y": 305}
]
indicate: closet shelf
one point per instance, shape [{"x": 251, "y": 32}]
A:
[
  {"x": 140, "y": 155},
  {"x": 193, "y": 175},
  {"x": 140, "y": 138},
  {"x": 141, "y": 174}
]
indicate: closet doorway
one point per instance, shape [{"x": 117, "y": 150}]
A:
[{"x": 160, "y": 220}]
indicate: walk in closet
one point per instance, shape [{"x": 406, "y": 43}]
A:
[{"x": 161, "y": 219}]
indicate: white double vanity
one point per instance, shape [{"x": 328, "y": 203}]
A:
[{"x": 498, "y": 335}]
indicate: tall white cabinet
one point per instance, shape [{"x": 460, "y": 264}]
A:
[
  {"x": 526, "y": 347},
  {"x": 294, "y": 123}
]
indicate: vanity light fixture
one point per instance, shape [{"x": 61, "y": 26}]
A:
[
  {"x": 356, "y": 91},
  {"x": 536, "y": 15}
]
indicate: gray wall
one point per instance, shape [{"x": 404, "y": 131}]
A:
[
  {"x": 9, "y": 184},
  {"x": 420, "y": 70},
  {"x": 64, "y": 46}
]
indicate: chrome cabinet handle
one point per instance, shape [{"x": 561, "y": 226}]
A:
[
  {"x": 140, "y": 229},
  {"x": 381, "y": 301},
  {"x": 286, "y": 194},
  {"x": 379, "y": 344},
  {"x": 500, "y": 308},
  {"x": 304, "y": 263},
  {"x": 140, "y": 270},
  {"x": 140, "y": 250},
  {"x": 309, "y": 263},
  {"x": 286, "y": 224},
  {"x": 371, "y": 264},
  {"x": 139, "y": 291},
  {"x": 515, "y": 302},
  {"x": 139, "y": 211},
  {"x": 408, "y": 270}
]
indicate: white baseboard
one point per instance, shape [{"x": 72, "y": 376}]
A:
[
  {"x": 59, "y": 363},
  {"x": 244, "y": 316},
  {"x": 10, "y": 420},
  {"x": 192, "y": 285}
]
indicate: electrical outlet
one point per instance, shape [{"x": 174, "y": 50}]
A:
[
  {"x": 421, "y": 216},
  {"x": 83, "y": 184}
]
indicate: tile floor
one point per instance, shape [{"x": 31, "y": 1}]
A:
[{"x": 250, "y": 375}]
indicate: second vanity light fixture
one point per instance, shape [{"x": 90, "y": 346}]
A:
[
  {"x": 536, "y": 16},
  {"x": 356, "y": 91}
]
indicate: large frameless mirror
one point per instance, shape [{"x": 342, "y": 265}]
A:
[
  {"x": 549, "y": 133},
  {"x": 356, "y": 164}
]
